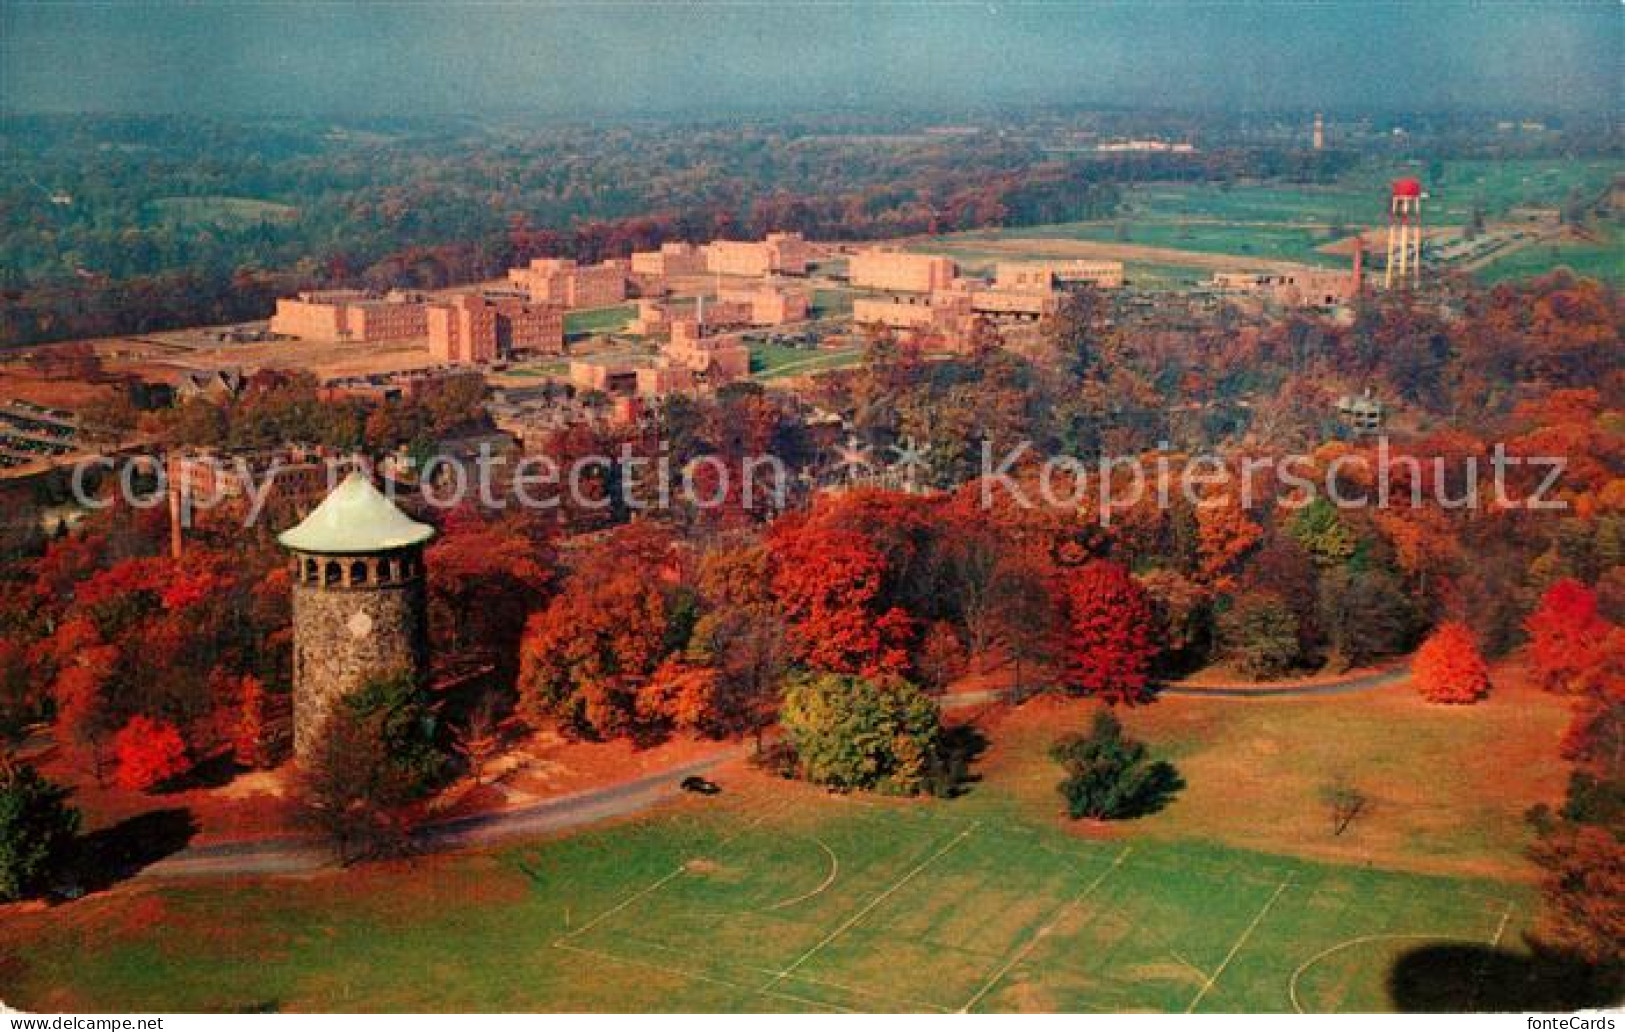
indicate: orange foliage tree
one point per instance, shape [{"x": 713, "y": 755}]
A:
[
  {"x": 148, "y": 752},
  {"x": 1448, "y": 667}
]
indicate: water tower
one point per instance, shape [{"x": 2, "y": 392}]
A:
[
  {"x": 359, "y": 607},
  {"x": 1404, "y": 234}
]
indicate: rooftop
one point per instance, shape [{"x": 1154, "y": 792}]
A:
[{"x": 356, "y": 518}]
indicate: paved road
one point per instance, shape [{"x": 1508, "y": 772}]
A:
[
  {"x": 293, "y": 855},
  {"x": 1361, "y": 683}
]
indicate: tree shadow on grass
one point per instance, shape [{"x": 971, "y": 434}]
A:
[
  {"x": 111, "y": 855},
  {"x": 1465, "y": 977},
  {"x": 948, "y": 775}
]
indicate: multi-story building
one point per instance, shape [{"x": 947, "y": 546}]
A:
[
  {"x": 1324, "y": 288},
  {"x": 350, "y": 315},
  {"x": 649, "y": 376},
  {"x": 470, "y": 328},
  {"x": 946, "y": 312},
  {"x": 785, "y": 253},
  {"x": 673, "y": 259},
  {"x": 768, "y": 305},
  {"x": 718, "y": 357},
  {"x": 1022, "y": 276},
  {"x": 561, "y": 281},
  {"x": 880, "y": 269}
]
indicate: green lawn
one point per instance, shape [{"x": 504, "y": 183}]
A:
[
  {"x": 598, "y": 320},
  {"x": 772, "y": 361},
  {"x": 774, "y": 895},
  {"x": 1602, "y": 259},
  {"x": 789, "y": 900}
]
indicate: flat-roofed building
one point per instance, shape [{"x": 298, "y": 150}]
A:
[
  {"x": 718, "y": 357},
  {"x": 769, "y": 305},
  {"x": 882, "y": 269},
  {"x": 1033, "y": 276},
  {"x": 470, "y": 328},
  {"x": 785, "y": 253},
  {"x": 563, "y": 282},
  {"x": 649, "y": 376},
  {"x": 676, "y": 258},
  {"x": 350, "y": 315},
  {"x": 1322, "y": 288}
]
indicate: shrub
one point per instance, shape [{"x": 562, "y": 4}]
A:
[
  {"x": 1110, "y": 776},
  {"x": 37, "y": 829}
]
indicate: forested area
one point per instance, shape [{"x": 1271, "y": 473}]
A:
[{"x": 125, "y": 225}]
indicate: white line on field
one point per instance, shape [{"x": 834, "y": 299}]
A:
[
  {"x": 1500, "y": 929},
  {"x": 871, "y": 905},
  {"x": 1241, "y": 941},
  {"x": 1039, "y": 935}
]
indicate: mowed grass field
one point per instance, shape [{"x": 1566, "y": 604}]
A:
[
  {"x": 1293, "y": 223},
  {"x": 777, "y": 896},
  {"x": 764, "y": 904}
]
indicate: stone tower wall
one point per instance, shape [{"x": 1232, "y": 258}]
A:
[{"x": 363, "y": 619}]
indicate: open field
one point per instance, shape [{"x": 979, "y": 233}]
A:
[
  {"x": 598, "y": 320},
  {"x": 1601, "y": 258},
  {"x": 778, "y": 896},
  {"x": 772, "y": 361},
  {"x": 744, "y": 905},
  {"x": 1256, "y": 225}
]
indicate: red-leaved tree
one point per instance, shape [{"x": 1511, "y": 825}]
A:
[
  {"x": 1448, "y": 667},
  {"x": 148, "y": 752},
  {"x": 1566, "y": 634},
  {"x": 1108, "y": 631}
]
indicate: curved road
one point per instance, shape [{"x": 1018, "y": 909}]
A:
[{"x": 291, "y": 855}]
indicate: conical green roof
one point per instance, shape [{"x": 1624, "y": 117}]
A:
[{"x": 354, "y": 519}]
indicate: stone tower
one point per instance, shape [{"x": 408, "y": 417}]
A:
[{"x": 359, "y": 608}]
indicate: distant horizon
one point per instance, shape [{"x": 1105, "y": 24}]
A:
[{"x": 581, "y": 61}]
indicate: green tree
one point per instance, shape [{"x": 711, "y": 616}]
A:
[
  {"x": 37, "y": 829},
  {"x": 854, "y": 733},
  {"x": 1260, "y": 635},
  {"x": 1110, "y": 776},
  {"x": 1323, "y": 534}
]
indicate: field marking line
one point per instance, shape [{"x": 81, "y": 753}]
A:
[
  {"x": 900, "y": 1002},
  {"x": 1359, "y": 940},
  {"x": 622, "y": 905},
  {"x": 1241, "y": 941},
  {"x": 834, "y": 870},
  {"x": 651, "y": 965},
  {"x": 871, "y": 905},
  {"x": 1500, "y": 929},
  {"x": 696, "y": 976},
  {"x": 1033, "y": 941},
  {"x": 628, "y": 901}
]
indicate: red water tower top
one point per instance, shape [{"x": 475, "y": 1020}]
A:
[{"x": 1407, "y": 188}]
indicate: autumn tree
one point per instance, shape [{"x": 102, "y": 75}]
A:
[
  {"x": 855, "y": 733},
  {"x": 1108, "y": 625},
  {"x": 1566, "y": 634},
  {"x": 148, "y": 752},
  {"x": 1448, "y": 667},
  {"x": 586, "y": 654},
  {"x": 1260, "y": 635},
  {"x": 829, "y": 581}
]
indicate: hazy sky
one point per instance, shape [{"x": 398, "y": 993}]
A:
[{"x": 608, "y": 57}]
